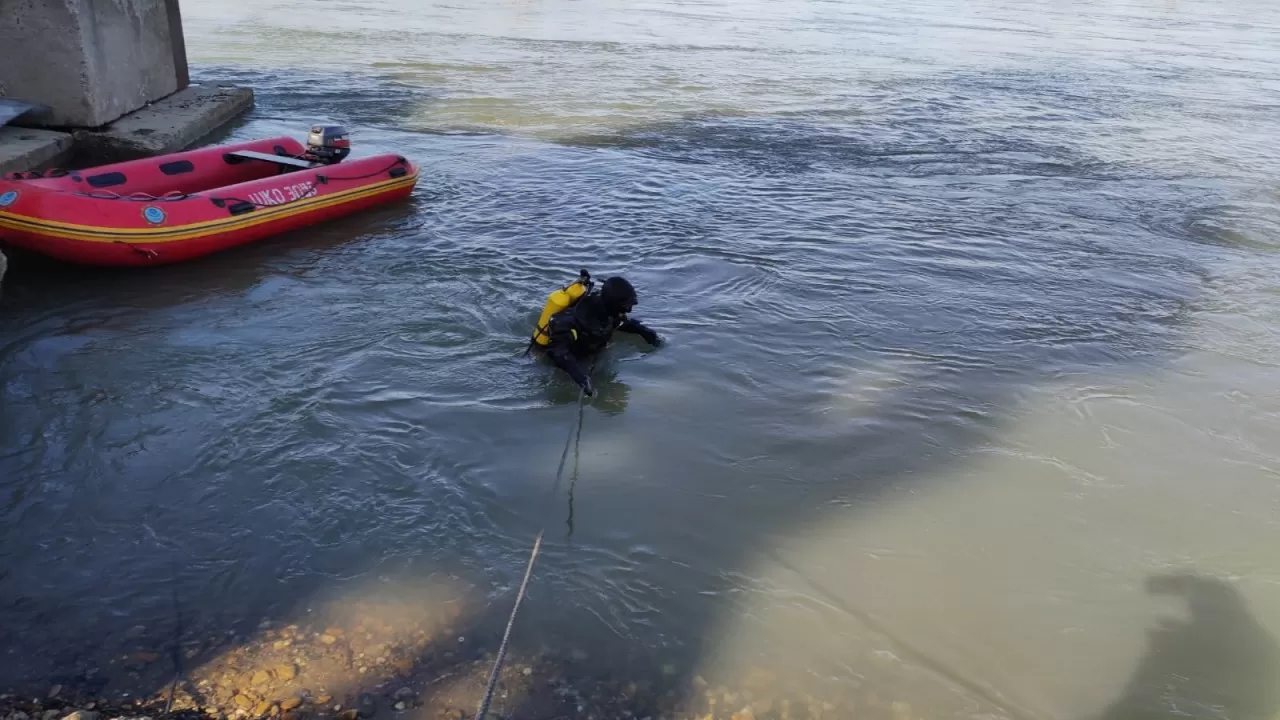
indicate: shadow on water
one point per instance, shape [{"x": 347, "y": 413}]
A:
[
  {"x": 1218, "y": 662},
  {"x": 974, "y": 353},
  {"x": 1085, "y": 315}
]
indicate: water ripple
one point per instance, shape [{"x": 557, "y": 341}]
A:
[{"x": 869, "y": 234}]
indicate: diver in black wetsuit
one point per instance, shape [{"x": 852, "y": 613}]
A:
[{"x": 585, "y": 328}]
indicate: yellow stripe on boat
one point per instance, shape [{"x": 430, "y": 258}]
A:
[{"x": 91, "y": 233}]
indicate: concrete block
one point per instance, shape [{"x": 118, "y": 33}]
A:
[
  {"x": 172, "y": 124},
  {"x": 90, "y": 61},
  {"x": 31, "y": 149}
]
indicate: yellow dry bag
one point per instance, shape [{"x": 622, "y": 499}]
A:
[{"x": 557, "y": 301}]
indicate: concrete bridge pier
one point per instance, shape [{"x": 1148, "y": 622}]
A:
[
  {"x": 113, "y": 75},
  {"x": 91, "y": 61}
]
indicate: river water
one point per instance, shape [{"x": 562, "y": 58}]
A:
[{"x": 970, "y": 395}]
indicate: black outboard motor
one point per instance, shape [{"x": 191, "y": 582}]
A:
[{"x": 328, "y": 144}]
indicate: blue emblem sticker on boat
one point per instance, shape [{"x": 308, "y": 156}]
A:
[
  {"x": 153, "y": 215},
  {"x": 8, "y": 198}
]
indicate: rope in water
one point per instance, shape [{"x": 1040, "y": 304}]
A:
[
  {"x": 176, "y": 651},
  {"x": 528, "y": 572},
  {"x": 506, "y": 635}
]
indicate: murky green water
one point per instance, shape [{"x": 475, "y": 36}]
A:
[{"x": 972, "y": 315}]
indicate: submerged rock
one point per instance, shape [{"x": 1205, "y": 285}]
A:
[{"x": 143, "y": 658}]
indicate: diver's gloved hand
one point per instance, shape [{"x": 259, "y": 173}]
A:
[
  {"x": 656, "y": 340},
  {"x": 587, "y": 388}
]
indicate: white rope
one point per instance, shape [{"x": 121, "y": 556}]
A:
[{"x": 528, "y": 572}]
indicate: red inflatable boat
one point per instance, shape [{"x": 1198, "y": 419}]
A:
[{"x": 177, "y": 207}]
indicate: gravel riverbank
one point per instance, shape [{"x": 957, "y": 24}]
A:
[
  {"x": 416, "y": 651},
  {"x": 377, "y": 670}
]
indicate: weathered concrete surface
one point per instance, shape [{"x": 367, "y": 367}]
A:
[
  {"x": 90, "y": 61},
  {"x": 30, "y": 149},
  {"x": 169, "y": 125}
]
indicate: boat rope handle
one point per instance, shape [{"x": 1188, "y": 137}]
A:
[
  {"x": 327, "y": 178},
  {"x": 135, "y": 197},
  {"x": 98, "y": 194},
  {"x": 320, "y": 179},
  {"x": 179, "y": 195},
  {"x": 219, "y": 201}
]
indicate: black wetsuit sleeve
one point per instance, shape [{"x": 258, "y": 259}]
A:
[
  {"x": 560, "y": 351},
  {"x": 639, "y": 328}
]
